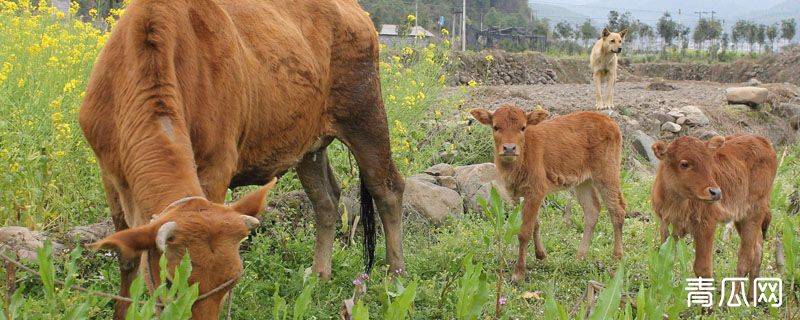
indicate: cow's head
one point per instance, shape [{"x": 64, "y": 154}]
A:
[
  {"x": 612, "y": 41},
  {"x": 209, "y": 232},
  {"x": 509, "y": 124},
  {"x": 687, "y": 167}
]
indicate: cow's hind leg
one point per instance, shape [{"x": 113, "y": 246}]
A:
[
  {"x": 128, "y": 267},
  {"x": 318, "y": 180},
  {"x": 587, "y": 197},
  {"x": 609, "y": 188}
]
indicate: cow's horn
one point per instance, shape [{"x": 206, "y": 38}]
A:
[
  {"x": 250, "y": 222},
  {"x": 165, "y": 232}
]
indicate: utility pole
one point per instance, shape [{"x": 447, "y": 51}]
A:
[
  {"x": 712, "y": 14},
  {"x": 463, "y": 25},
  {"x": 416, "y": 13}
]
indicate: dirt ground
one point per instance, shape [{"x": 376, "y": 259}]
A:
[{"x": 636, "y": 105}]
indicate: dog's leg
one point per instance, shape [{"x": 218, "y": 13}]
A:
[
  {"x": 598, "y": 90},
  {"x": 611, "y": 80}
]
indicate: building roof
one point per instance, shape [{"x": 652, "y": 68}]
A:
[{"x": 394, "y": 30}]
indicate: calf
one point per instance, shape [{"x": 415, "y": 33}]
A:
[
  {"x": 535, "y": 157},
  {"x": 702, "y": 184}
]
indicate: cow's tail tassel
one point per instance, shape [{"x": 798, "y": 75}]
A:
[{"x": 368, "y": 221}]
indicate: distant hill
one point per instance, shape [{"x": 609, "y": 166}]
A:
[
  {"x": 784, "y": 10},
  {"x": 556, "y": 13}
]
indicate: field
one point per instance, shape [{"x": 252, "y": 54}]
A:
[{"x": 49, "y": 181}]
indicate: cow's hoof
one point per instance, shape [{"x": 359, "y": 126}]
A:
[
  {"x": 517, "y": 276},
  {"x": 541, "y": 255}
]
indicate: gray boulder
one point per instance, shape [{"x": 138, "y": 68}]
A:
[
  {"x": 441, "y": 169},
  {"x": 751, "y": 96},
  {"x": 92, "y": 232},
  {"x": 671, "y": 127},
  {"x": 643, "y": 144},
  {"x": 694, "y": 116},
  {"x": 431, "y": 201},
  {"x": 24, "y": 242}
]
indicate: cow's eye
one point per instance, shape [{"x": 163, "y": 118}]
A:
[
  {"x": 495, "y": 128},
  {"x": 523, "y": 128},
  {"x": 685, "y": 164}
]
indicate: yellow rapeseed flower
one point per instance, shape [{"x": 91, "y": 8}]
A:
[
  {"x": 445, "y": 32},
  {"x": 472, "y": 83},
  {"x": 489, "y": 58},
  {"x": 411, "y": 18}
]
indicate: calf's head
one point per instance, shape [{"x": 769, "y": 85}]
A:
[
  {"x": 612, "y": 41},
  {"x": 508, "y": 125},
  {"x": 687, "y": 167},
  {"x": 210, "y": 233}
]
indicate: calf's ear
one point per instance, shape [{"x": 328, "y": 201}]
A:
[
  {"x": 252, "y": 203},
  {"x": 715, "y": 142},
  {"x": 482, "y": 115},
  {"x": 660, "y": 149},
  {"x": 128, "y": 243},
  {"x": 537, "y": 116}
]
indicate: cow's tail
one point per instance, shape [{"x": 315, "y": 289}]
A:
[
  {"x": 368, "y": 221},
  {"x": 765, "y": 225}
]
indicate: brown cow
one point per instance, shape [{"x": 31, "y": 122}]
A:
[
  {"x": 535, "y": 157},
  {"x": 191, "y": 97},
  {"x": 702, "y": 184}
]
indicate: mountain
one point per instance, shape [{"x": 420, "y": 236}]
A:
[
  {"x": 784, "y": 10},
  {"x": 557, "y": 13}
]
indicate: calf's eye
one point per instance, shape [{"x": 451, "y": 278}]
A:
[
  {"x": 684, "y": 164},
  {"x": 495, "y": 128},
  {"x": 523, "y": 128}
]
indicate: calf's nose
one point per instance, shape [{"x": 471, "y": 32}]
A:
[
  {"x": 715, "y": 193},
  {"x": 509, "y": 148}
]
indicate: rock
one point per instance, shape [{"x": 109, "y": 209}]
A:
[
  {"x": 751, "y": 96},
  {"x": 705, "y": 134},
  {"x": 663, "y": 117},
  {"x": 660, "y": 86},
  {"x": 779, "y": 134},
  {"x": 643, "y": 145},
  {"x": 470, "y": 178},
  {"x": 753, "y": 82},
  {"x": 293, "y": 203},
  {"x": 433, "y": 202},
  {"x": 681, "y": 120},
  {"x": 485, "y": 191},
  {"x": 676, "y": 114},
  {"x": 91, "y": 233},
  {"x": 424, "y": 177},
  {"x": 25, "y": 242},
  {"x": 349, "y": 206},
  {"x": 441, "y": 169},
  {"x": 787, "y": 110},
  {"x": 740, "y": 107},
  {"x": 694, "y": 116},
  {"x": 447, "y": 182},
  {"x": 671, "y": 127}
]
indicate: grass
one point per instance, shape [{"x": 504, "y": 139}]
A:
[{"x": 49, "y": 181}]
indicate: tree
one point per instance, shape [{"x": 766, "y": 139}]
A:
[
  {"x": 613, "y": 20},
  {"x": 588, "y": 31},
  {"x": 772, "y": 34},
  {"x": 788, "y": 28},
  {"x": 761, "y": 35},
  {"x": 667, "y": 29},
  {"x": 646, "y": 32},
  {"x": 563, "y": 30}
]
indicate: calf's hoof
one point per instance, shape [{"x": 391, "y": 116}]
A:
[
  {"x": 541, "y": 255},
  {"x": 518, "y": 276}
]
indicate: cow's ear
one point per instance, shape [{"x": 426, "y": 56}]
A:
[
  {"x": 128, "y": 243},
  {"x": 537, "y": 116},
  {"x": 482, "y": 115},
  {"x": 606, "y": 32},
  {"x": 660, "y": 149},
  {"x": 252, "y": 203},
  {"x": 622, "y": 33},
  {"x": 715, "y": 142}
]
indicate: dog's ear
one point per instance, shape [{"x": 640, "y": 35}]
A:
[
  {"x": 622, "y": 33},
  {"x": 606, "y": 32}
]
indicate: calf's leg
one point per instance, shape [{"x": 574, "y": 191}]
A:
[
  {"x": 530, "y": 227},
  {"x": 704, "y": 249},
  {"x": 316, "y": 175},
  {"x": 587, "y": 197},
  {"x": 612, "y": 197}
]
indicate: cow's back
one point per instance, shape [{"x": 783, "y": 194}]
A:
[
  {"x": 745, "y": 170},
  {"x": 574, "y": 147}
]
